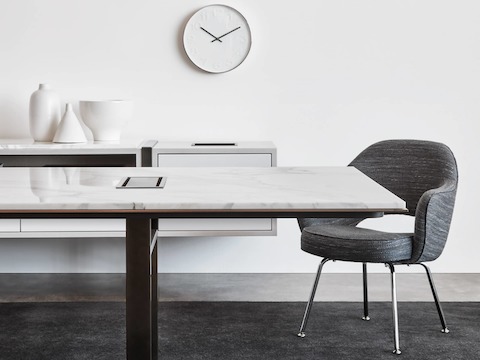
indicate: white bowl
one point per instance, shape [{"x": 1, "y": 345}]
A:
[{"x": 106, "y": 118}]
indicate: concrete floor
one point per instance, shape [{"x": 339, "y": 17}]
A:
[{"x": 238, "y": 287}]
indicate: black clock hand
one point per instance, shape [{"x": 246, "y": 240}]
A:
[
  {"x": 218, "y": 38},
  {"x": 211, "y": 34}
]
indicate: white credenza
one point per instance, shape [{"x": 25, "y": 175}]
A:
[
  {"x": 60, "y": 157},
  {"x": 240, "y": 154},
  {"x": 95, "y": 245}
]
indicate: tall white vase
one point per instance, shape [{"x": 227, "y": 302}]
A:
[
  {"x": 44, "y": 113},
  {"x": 69, "y": 130}
]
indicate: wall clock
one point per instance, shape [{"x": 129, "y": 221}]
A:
[{"x": 217, "y": 38}]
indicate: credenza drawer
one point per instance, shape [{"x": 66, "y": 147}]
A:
[
  {"x": 214, "y": 160},
  {"x": 199, "y": 225},
  {"x": 76, "y": 225},
  {"x": 9, "y": 225}
]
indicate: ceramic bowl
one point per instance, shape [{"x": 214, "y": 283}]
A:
[{"x": 106, "y": 118}]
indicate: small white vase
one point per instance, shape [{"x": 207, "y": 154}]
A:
[
  {"x": 69, "y": 130},
  {"x": 44, "y": 113}
]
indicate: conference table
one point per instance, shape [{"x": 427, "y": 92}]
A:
[{"x": 142, "y": 195}]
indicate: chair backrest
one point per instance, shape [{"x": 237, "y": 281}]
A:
[
  {"x": 408, "y": 168},
  {"x": 423, "y": 174}
]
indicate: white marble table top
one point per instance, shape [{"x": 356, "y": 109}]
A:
[{"x": 194, "y": 189}]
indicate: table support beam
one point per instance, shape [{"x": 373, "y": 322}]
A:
[
  {"x": 154, "y": 289},
  {"x": 141, "y": 286}
]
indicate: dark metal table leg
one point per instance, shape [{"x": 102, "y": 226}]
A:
[
  {"x": 154, "y": 289},
  {"x": 141, "y": 339}
]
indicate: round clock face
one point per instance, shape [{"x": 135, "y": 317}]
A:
[{"x": 217, "y": 38}]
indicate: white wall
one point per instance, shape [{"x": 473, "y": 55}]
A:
[{"x": 323, "y": 80}]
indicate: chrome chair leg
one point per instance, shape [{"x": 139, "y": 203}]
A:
[
  {"x": 365, "y": 294},
  {"x": 301, "y": 333},
  {"x": 395, "y": 311},
  {"x": 435, "y": 297}
]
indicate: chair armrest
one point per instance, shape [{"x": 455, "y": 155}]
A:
[{"x": 432, "y": 221}]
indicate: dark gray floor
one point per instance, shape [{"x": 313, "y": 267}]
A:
[
  {"x": 236, "y": 287},
  {"x": 240, "y": 331}
]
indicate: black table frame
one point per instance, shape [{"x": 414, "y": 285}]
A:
[{"x": 141, "y": 259}]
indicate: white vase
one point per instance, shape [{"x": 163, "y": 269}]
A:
[
  {"x": 44, "y": 113},
  {"x": 69, "y": 130},
  {"x": 107, "y": 118}
]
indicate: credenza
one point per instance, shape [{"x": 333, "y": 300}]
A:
[{"x": 62, "y": 160}]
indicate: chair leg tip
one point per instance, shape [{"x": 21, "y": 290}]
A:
[
  {"x": 301, "y": 334},
  {"x": 366, "y": 318},
  {"x": 397, "y": 352},
  {"x": 445, "y": 331}
]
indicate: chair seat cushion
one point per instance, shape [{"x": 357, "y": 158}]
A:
[{"x": 351, "y": 243}]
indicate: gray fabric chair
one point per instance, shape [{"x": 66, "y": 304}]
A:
[{"x": 422, "y": 173}]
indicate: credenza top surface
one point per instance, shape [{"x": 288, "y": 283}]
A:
[
  {"x": 214, "y": 147},
  {"x": 30, "y": 147}
]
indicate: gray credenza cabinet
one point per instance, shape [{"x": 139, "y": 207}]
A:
[{"x": 235, "y": 154}]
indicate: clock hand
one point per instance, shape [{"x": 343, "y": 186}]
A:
[
  {"x": 211, "y": 34},
  {"x": 218, "y": 38}
]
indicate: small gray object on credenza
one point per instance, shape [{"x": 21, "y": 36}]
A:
[{"x": 425, "y": 175}]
